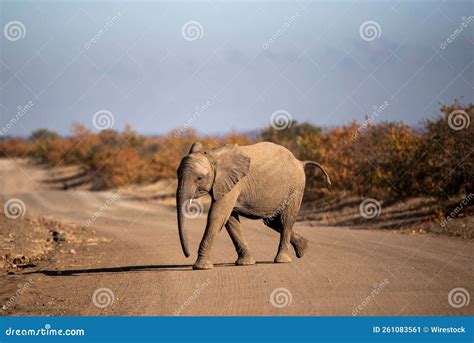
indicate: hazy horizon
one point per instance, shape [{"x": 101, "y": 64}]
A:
[{"x": 219, "y": 67}]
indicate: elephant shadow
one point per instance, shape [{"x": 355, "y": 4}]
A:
[{"x": 127, "y": 269}]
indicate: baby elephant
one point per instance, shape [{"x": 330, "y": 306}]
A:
[{"x": 259, "y": 181}]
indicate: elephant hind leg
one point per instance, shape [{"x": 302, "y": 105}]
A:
[
  {"x": 236, "y": 235},
  {"x": 276, "y": 224},
  {"x": 299, "y": 243}
]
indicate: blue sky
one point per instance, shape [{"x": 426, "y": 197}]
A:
[{"x": 248, "y": 60}]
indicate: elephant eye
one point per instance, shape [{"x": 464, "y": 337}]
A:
[{"x": 199, "y": 178}]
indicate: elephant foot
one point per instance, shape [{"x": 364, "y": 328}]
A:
[
  {"x": 300, "y": 245},
  {"x": 202, "y": 264},
  {"x": 245, "y": 260},
  {"x": 283, "y": 257}
]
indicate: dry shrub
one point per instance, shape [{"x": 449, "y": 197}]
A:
[
  {"x": 386, "y": 160},
  {"x": 14, "y": 147},
  {"x": 118, "y": 167},
  {"x": 113, "y": 158},
  {"x": 446, "y": 155}
]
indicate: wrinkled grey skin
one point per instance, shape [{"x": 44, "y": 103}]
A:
[{"x": 259, "y": 181}]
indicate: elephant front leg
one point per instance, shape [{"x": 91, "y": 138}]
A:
[
  {"x": 218, "y": 215},
  {"x": 235, "y": 232}
]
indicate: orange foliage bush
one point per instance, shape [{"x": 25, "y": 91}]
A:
[
  {"x": 389, "y": 160},
  {"x": 386, "y": 160},
  {"x": 14, "y": 147}
]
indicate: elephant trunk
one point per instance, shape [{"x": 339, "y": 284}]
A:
[{"x": 181, "y": 200}]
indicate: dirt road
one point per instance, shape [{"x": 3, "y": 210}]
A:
[{"x": 142, "y": 268}]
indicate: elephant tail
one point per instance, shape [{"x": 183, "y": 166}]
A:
[{"x": 326, "y": 176}]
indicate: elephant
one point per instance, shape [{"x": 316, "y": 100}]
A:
[{"x": 259, "y": 181}]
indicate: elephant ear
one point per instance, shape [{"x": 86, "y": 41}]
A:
[
  {"x": 196, "y": 147},
  {"x": 230, "y": 167}
]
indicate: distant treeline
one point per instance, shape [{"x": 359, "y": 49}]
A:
[{"x": 382, "y": 159}]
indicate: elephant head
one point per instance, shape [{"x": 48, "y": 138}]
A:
[{"x": 213, "y": 172}]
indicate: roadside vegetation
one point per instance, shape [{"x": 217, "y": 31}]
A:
[{"x": 389, "y": 161}]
